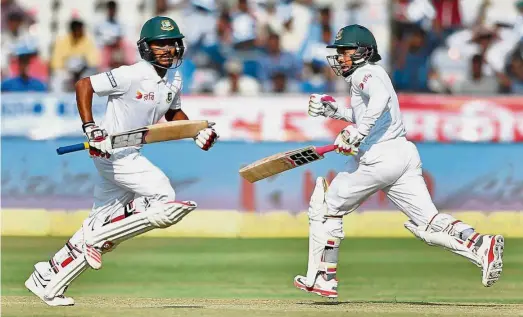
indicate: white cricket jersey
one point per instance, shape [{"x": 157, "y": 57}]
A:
[
  {"x": 375, "y": 106},
  {"x": 137, "y": 96}
]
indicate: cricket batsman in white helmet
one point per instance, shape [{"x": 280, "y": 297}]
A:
[
  {"x": 387, "y": 161},
  {"x": 138, "y": 95}
]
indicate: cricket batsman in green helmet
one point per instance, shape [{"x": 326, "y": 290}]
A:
[
  {"x": 387, "y": 161},
  {"x": 132, "y": 196}
]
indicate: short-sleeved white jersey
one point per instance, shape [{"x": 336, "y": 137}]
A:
[
  {"x": 375, "y": 105},
  {"x": 137, "y": 96}
]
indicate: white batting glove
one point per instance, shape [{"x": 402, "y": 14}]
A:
[
  {"x": 99, "y": 141},
  {"x": 206, "y": 138},
  {"x": 322, "y": 105},
  {"x": 348, "y": 141}
]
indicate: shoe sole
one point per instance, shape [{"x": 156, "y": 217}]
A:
[
  {"x": 495, "y": 267},
  {"x": 317, "y": 291}
]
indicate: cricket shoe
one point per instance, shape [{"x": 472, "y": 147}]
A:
[
  {"x": 37, "y": 282},
  {"x": 490, "y": 251},
  {"x": 321, "y": 286}
]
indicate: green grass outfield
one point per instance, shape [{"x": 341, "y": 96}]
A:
[{"x": 253, "y": 277}]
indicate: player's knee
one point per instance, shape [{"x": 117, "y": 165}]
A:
[
  {"x": 166, "y": 194},
  {"x": 337, "y": 200},
  {"x": 163, "y": 215},
  {"x": 334, "y": 228}
]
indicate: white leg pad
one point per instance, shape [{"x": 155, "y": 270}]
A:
[
  {"x": 159, "y": 215},
  {"x": 65, "y": 276},
  {"x": 444, "y": 231},
  {"x": 318, "y": 236}
]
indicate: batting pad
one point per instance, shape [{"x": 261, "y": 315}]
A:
[
  {"x": 159, "y": 215},
  {"x": 65, "y": 276}
]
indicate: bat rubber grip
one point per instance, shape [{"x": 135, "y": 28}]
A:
[
  {"x": 72, "y": 148},
  {"x": 326, "y": 149}
]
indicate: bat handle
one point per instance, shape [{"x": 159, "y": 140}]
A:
[
  {"x": 72, "y": 148},
  {"x": 326, "y": 149}
]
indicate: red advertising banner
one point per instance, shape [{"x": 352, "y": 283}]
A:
[
  {"x": 428, "y": 118},
  {"x": 446, "y": 118}
]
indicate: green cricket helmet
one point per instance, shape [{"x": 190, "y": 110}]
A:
[
  {"x": 160, "y": 28},
  {"x": 356, "y": 37}
]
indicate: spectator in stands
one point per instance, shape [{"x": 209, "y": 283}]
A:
[
  {"x": 514, "y": 82},
  {"x": 14, "y": 34},
  {"x": 109, "y": 29},
  {"x": 477, "y": 83},
  {"x": 221, "y": 48},
  {"x": 117, "y": 51},
  {"x": 243, "y": 27},
  {"x": 9, "y": 8},
  {"x": 24, "y": 82},
  {"x": 318, "y": 75},
  {"x": 74, "y": 56},
  {"x": 276, "y": 60},
  {"x": 320, "y": 35},
  {"x": 279, "y": 83},
  {"x": 199, "y": 21},
  {"x": 412, "y": 68},
  {"x": 235, "y": 83},
  {"x": 448, "y": 17},
  {"x": 37, "y": 68},
  {"x": 297, "y": 17},
  {"x": 314, "y": 79},
  {"x": 244, "y": 40}
]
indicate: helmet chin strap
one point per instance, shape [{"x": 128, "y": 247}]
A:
[{"x": 173, "y": 65}]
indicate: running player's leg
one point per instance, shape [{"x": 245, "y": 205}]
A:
[
  {"x": 68, "y": 261},
  {"x": 410, "y": 194},
  {"x": 113, "y": 218},
  {"x": 135, "y": 174},
  {"x": 327, "y": 207},
  {"x": 51, "y": 278}
]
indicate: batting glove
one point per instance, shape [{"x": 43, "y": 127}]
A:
[
  {"x": 206, "y": 138},
  {"x": 99, "y": 142},
  {"x": 348, "y": 141},
  {"x": 322, "y": 105}
]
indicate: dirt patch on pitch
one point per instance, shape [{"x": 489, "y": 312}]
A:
[{"x": 22, "y": 306}]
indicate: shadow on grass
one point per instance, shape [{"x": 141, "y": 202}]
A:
[{"x": 385, "y": 302}]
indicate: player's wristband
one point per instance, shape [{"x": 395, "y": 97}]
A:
[{"x": 87, "y": 125}]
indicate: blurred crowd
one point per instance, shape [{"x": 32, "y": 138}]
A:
[
  {"x": 458, "y": 47},
  {"x": 250, "y": 47}
]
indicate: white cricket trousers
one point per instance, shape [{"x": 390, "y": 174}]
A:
[
  {"x": 393, "y": 166},
  {"x": 127, "y": 175}
]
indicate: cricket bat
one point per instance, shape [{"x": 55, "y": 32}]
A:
[
  {"x": 281, "y": 162},
  {"x": 167, "y": 131}
]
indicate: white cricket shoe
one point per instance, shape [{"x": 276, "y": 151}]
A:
[
  {"x": 37, "y": 282},
  {"x": 321, "y": 287},
  {"x": 491, "y": 254}
]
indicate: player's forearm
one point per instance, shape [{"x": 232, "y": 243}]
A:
[
  {"x": 175, "y": 115},
  {"x": 84, "y": 99},
  {"x": 376, "y": 108},
  {"x": 344, "y": 114}
]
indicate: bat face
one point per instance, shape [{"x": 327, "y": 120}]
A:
[{"x": 278, "y": 163}]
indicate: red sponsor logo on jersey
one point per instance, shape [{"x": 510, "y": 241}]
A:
[
  {"x": 364, "y": 80},
  {"x": 145, "y": 96}
]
